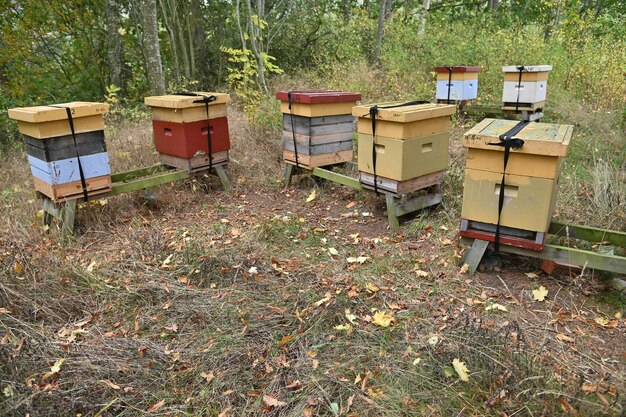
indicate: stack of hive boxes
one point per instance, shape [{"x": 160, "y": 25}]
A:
[
  {"x": 320, "y": 124},
  {"x": 66, "y": 166},
  {"x": 411, "y": 146},
  {"x": 185, "y": 136},
  {"x": 457, "y": 83},
  {"x": 525, "y": 87},
  {"x": 531, "y": 181}
]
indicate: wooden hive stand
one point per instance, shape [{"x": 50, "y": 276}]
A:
[{"x": 123, "y": 182}]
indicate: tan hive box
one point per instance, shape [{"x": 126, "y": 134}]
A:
[
  {"x": 411, "y": 141},
  {"x": 531, "y": 181},
  {"x": 183, "y": 109},
  {"x": 43, "y": 122}
]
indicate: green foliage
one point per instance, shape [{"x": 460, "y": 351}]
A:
[{"x": 242, "y": 76}]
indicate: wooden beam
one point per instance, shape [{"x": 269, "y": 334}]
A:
[
  {"x": 590, "y": 234},
  {"x": 137, "y": 173},
  {"x": 338, "y": 178},
  {"x": 142, "y": 183}
]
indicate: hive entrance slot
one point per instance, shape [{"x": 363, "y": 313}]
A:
[{"x": 509, "y": 190}]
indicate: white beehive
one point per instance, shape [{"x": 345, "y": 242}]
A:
[{"x": 525, "y": 87}]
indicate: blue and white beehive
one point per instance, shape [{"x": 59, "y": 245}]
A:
[{"x": 457, "y": 83}]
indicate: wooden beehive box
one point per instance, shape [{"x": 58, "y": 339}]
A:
[
  {"x": 532, "y": 173},
  {"x": 181, "y": 129},
  {"x": 411, "y": 141},
  {"x": 54, "y": 154},
  {"x": 47, "y": 121},
  {"x": 319, "y": 126},
  {"x": 529, "y": 93},
  {"x": 457, "y": 83}
]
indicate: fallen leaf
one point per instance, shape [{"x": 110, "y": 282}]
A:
[
  {"x": 532, "y": 275},
  {"x": 464, "y": 269},
  {"x": 421, "y": 273},
  {"x": 322, "y": 301},
  {"x": 433, "y": 340},
  {"x": 311, "y": 196},
  {"x": 495, "y": 306},
  {"x": 208, "y": 377},
  {"x": 18, "y": 268},
  {"x": 285, "y": 340},
  {"x": 156, "y": 406},
  {"x": 371, "y": 287},
  {"x": 461, "y": 369},
  {"x": 382, "y": 319},
  {"x": 273, "y": 402},
  {"x": 295, "y": 385},
  {"x": 417, "y": 361},
  {"x": 54, "y": 369},
  {"x": 359, "y": 259},
  {"x": 540, "y": 293},
  {"x": 333, "y": 251},
  {"x": 351, "y": 317},
  {"x": 351, "y": 204},
  {"x": 564, "y": 338},
  {"x": 111, "y": 384}
]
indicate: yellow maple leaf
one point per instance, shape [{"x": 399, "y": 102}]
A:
[
  {"x": 311, "y": 196},
  {"x": 382, "y": 319},
  {"x": 371, "y": 287},
  {"x": 461, "y": 369},
  {"x": 540, "y": 293}
]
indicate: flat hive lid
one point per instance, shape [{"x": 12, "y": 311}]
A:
[
  {"x": 405, "y": 114},
  {"x": 319, "y": 96},
  {"x": 41, "y": 114},
  {"x": 459, "y": 68},
  {"x": 547, "y": 139},
  {"x": 528, "y": 68},
  {"x": 174, "y": 101}
]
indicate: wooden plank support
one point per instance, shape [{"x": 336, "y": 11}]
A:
[
  {"x": 221, "y": 173},
  {"x": 570, "y": 256},
  {"x": 590, "y": 234},
  {"x": 136, "y": 173},
  {"x": 475, "y": 254},
  {"x": 338, "y": 178}
]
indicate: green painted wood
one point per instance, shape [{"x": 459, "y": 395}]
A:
[
  {"x": 338, "y": 178},
  {"x": 590, "y": 234},
  {"x": 394, "y": 222},
  {"x": 137, "y": 173},
  {"x": 414, "y": 204},
  {"x": 221, "y": 173},
  {"x": 69, "y": 214},
  {"x": 570, "y": 256},
  {"x": 475, "y": 254},
  {"x": 51, "y": 209},
  {"x": 142, "y": 183},
  {"x": 288, "y": 174}
]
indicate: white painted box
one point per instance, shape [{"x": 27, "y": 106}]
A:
[
  {"x": 459, "y": 90},
  {"x": 525, "y": 85}
]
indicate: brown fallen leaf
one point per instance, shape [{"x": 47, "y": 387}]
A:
[
  {"x": 285, "y": 340},
  {"x": 295, "y": 385},
  {"x": 111, "y": 384},
  {"x": 564, "y": 338},
  {"x": 155, "y": 407},
  {"x": 273, "y": 402}
]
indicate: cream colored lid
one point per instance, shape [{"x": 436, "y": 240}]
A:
[
  {"x": 405, "y": 114},
  {"x": 174, "y": 101},
  {"x": 40, "y": 114},
  {"x": 528, "y": 68}
]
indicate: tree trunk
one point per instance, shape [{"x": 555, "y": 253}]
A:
[
  {"x": 115, "y": 52},
  {"x": 346, "y": 5},
  {"x": 151, "y": 48},
  {"x": 256, "y": 42},
  {"x": 241, "y": 35},
  {"x": 379, "y": 32},
  {"x": 493, "y": 5},
  {"x": 172, "y": 38},
  {"x": 423, "y": 16}
]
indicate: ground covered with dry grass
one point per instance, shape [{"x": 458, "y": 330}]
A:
[{"x": 197, "y": 302}]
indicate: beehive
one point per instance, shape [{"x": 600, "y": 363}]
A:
[
  {"x": 525, "y": 87},
  {"x": 319, "y": 124},
  {"x": 57, "y": 157},
  {"x": 182, "y": 129},
  {"x": 532, "y": 173},
  {"x": 457, "y": 83},
  {"x": 411, "y": 142}
]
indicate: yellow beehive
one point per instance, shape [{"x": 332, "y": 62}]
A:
[
  {"x": 411, "y": 141},
  {"x": 186, "y": 109},
  {"x": 47, "y": 121},
  {"x": 532, "y": 172}
]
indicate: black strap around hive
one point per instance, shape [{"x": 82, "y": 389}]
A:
[
  {"x": 206, "y": 100},
  {"x": 449, "y": 68},
  {"x": 373, "y": 112},
  {"x": 521, "y": 69},
  {"x": 508, "y": 141},
  {"x": 293, "y": 130},
  {"x": 70, "y": 119}
]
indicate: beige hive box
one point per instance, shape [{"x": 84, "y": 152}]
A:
[
  {"x": 411, "y": 141},
  {"x": 531, "y": 182},
  {"x": 183, "y": 109},
  {"x": 530, "y": 91},
  {"x": 43, "y": 122}
]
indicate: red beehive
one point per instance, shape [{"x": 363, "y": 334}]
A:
[{"x": 184, "y": 140}]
